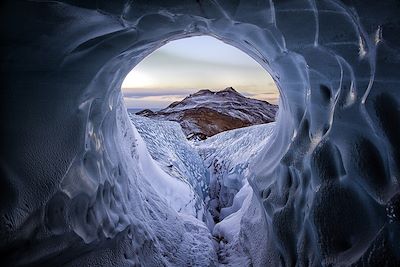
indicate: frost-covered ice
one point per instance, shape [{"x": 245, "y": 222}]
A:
[
  {"x": 176, "y": 193},
  {"x": 168, "y": 146},
  {"x": 228, "y": 156},
  {"x": 150, "y": 207},
  {"x": 228, "y": 195}
]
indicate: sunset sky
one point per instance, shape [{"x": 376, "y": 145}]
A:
[{"x": 182, "y": 67}]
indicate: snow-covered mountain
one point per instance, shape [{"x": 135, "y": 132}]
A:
[{"x": 206, "y": 113}]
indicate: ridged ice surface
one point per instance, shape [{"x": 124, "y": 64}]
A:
[
  {"x": 72, "y": 191},
  {"x": 228, "y": 157},
  {"x": 168, "y": 146}
]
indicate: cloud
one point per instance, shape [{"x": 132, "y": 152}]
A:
[
  {"x": 209, "y": 50},
  {"x": 270, "y": 97},
  {"x": 164, "y": 94},
  {"x": 141, "y": 93},
  {"x": 160, "y": 98},
  {"x": 151, "y": 101},
  {"x": 266, "y": 94}
]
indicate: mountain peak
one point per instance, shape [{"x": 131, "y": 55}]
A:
[
  {"x": 229, "y": 89},
  {"x": 202, "y": 92}
]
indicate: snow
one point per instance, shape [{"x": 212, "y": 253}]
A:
[
  {"x": 206, "y": 113},
  {"x": 176, "y": 193},
  {"x": 186, "y": 176},
  {"x": 229, "y": 156},
  {"x": 227, "y": 101},
  {"x": 168, "y": 146}
]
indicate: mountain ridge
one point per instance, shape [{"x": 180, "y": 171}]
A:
[{"x": 206, "y": 113}]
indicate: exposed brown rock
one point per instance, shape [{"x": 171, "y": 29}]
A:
[{"x": 206, "y": 113}]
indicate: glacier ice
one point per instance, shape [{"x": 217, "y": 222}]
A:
[
  {"x": 167, "y": 145},
  {"x": 228, "y": 157},
  {"x": 72, "y": 191}
]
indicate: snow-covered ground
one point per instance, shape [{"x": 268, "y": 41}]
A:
[{"x": 206, "y": 182}]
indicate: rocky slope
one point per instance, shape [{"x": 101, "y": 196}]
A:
[{"x": 206, "y": 113}]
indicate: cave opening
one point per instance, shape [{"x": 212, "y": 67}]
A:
[{"x": 187, "y": 106}]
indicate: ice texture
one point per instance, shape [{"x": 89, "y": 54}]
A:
[
  {"x": 228, "y": 157},
  {"x": 168, "y": 146},
  {"x": 71, "y": 188}
]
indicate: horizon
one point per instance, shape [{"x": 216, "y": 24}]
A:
[
  {"x": 173, "y": 72},
  {"x": 159, "y": 108}
]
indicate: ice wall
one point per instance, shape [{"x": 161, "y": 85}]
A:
[
  {"x": 232, "y": 203},
  {"x": 168, "y": 146},
  {"x": 329, "y": 182}
]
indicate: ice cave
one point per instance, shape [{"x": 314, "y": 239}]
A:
[{"x": 79, "y": 186}]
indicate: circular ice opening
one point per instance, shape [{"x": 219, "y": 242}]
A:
[{"x": 203, "y": 111}]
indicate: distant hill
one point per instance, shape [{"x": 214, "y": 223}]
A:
[{"x": 206, "y": 113}]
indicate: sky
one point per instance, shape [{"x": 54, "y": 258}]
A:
[{"x": 185, "y": 66}]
